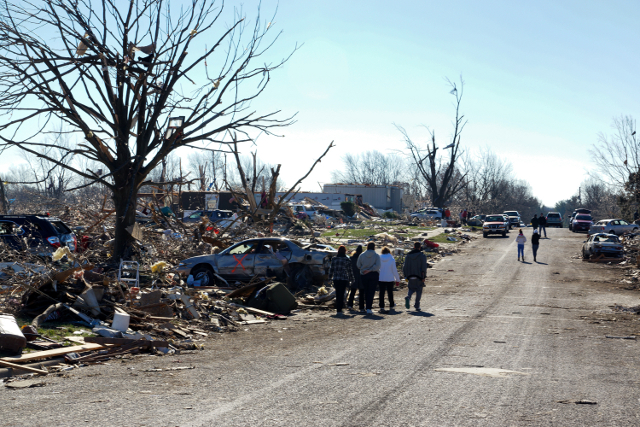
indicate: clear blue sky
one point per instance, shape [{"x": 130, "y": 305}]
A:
[{"x": 542, "y": 79}]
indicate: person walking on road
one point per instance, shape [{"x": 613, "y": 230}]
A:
[
  {"x": 542, "y": 223},
  {"x": 535, "y": 222},
  {"x": 388, "y": 278},
  {"x": 341, "y": 273},
  {"x": 535, "y": 243},
  {"x": 369, "y": 265},
  {"x": 521, "y": 240},
  {"x": 356, "y": 285},
  {"x": 415, "y": 271}
]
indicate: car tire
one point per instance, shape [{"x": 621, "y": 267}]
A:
[
  {"x": 585, "y": 255},
  {"x": 635, "y": 230},
  {"x": 611, "y": 232},
  {"x": 504, "y": 234},
  {"x": 204, "y": 274},
  {"x": 484, "y": 235}
]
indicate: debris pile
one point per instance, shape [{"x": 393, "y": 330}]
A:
[{"x": 152, "y": 303}]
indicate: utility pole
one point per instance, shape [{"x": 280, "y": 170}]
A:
[
  {"x": 4, "y": 203},
  {"x": 580, "y": 195}
]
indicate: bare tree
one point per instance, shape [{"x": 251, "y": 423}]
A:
[
  {"x": 599, "y": 198},
  {"x": 51, "y": 177},
  {"x": 371, "y": 167},
  {"x": 443, "y": 176},
  {"x": 487, "y": 184},
  {"x": 617, "y": 156},
  {"x": 118, "y": 75},
  {"x": 208, "y": 169},
  {"x": 264, "y": 212}
]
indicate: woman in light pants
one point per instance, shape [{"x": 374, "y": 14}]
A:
[{"x": 521, "y": 240}]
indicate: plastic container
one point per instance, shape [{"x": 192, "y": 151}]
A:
[
  {"x": 120, "y": 321},
  {"x": 11, "y": 338}
]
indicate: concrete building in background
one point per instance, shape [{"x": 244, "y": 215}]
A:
[{"x": 379, "y": 196}]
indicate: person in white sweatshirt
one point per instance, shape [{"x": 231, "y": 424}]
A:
[
  {"x": 521, "y": 240},
  {"x": 388, "y": 278}
]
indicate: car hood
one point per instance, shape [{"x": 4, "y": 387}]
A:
[{"x": 200, "y": 258}]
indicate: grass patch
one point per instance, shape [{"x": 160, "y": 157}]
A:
[
  {"x": 58, "y": 330},
  {"x": 368, "y": 232}
]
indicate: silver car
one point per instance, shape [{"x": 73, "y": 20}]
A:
[
  {"x": 429, "y": 214},
  {"x": 613, "y": 226},
  {"x": 601, "y": 243},
  {"x": 265, "y": 257}
]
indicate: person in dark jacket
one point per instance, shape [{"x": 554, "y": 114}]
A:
[
  {"x": 542, "y": 222},
  {"x": 535, "y": 222},
  {"x": 356, "y": 285},
  {"x": 415, "y": 271},
  {"x": 535, "y": 243},
  {"x": 369, "y": 265},
  {"x": 341, "y": 273}
]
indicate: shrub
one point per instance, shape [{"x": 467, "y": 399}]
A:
[{"x": 349, "y": 208}]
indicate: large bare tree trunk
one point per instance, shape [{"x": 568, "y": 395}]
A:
[{"x": 124, "y": 199}]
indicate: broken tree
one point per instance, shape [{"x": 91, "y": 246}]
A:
[{"x": 119, "y": 77}]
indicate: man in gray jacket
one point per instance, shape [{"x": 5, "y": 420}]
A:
[
  {"x": 415, "y": 271},
  {"x": 369, "y": 265}
]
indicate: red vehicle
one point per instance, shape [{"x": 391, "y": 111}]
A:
[{"x": 581, "y": 222}]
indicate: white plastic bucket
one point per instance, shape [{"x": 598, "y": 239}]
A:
[{"x": 120, "y": 321}]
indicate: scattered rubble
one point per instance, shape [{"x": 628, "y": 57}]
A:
[{"x": 143, "y": 305}]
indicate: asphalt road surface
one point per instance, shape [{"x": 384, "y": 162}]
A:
[{"x": 501, "y": 343}]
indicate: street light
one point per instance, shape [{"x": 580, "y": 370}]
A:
[{"x": 174, "y": 123}]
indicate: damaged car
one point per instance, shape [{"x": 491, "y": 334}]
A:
[
  {"x": 263, "y": 257},
  {"x": 602, "y": 244},
  {"x": 613, "y": 226}
]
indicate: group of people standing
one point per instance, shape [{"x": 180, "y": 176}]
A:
[
  {"x": 540, "y": 223},
  {"x": 464, "y": 215},
  {"x": 364, "y": 272}
]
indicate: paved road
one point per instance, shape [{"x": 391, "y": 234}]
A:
[{"x": 501, "y": 344}]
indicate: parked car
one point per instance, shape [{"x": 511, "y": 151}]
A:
[
  {"x": 476, "y": 221},
  {"x": 266, "y": 257},
  {"x": 495, "y": 224},
  {"x": 581, "y": 222},
  {"x": 429, "y": 214},
  {"x": 602, "y": 243},
  {"x": 214, "y": 216},
  {"x": 39, "y": 234},
  {"x": 514, "y": 218},
  {"x": 554, "y": 219},
  {"x": 613, "y": 226},
  {"x": 577, "y": 212}
]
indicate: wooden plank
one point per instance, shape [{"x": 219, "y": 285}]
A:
[
  {"x": 30, "y": 357},
  {"x": 23, "y": 368},
  {"x": 253, "y": 310},
  {"x": 76, "y": 339},
  {"x": 125, "y": 341}
]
